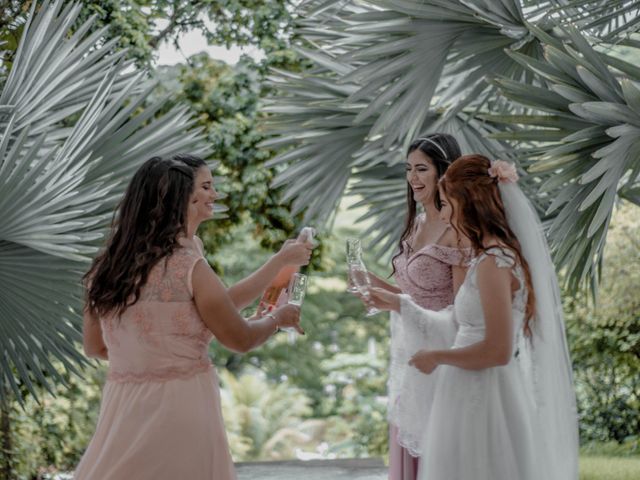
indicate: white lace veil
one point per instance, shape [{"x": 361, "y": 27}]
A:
[{"x": 545, "y": 357}]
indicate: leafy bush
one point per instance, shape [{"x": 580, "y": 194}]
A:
[{"x": 605, "y": 339}]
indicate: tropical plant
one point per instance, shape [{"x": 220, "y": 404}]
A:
[
  {"x": 384, "y": 71},
  {"x": 263, "y": 420},
  {"x": 52, "y": 433},
  {"x": 74, "y": 126},
  {"x": 605, "y": 339},
  {"x": 141, "y": 26}
]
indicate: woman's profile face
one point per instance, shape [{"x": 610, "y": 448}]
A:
[
  {"x": 203, "y": 197},
  {"x": 422, "y": 176},
  {"x": 448, "y": 212}
]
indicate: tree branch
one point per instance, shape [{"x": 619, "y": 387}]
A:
[{"x": 175, "y": 21}]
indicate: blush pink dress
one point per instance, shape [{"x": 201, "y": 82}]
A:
[
  {"x": 426, "y": 275},
  {"x": 160, "y": 416}
]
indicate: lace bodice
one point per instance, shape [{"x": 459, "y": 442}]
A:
[
  {"x": 161, "y": 336},
  {"x": 426, "y": 274},
  {"x": 468, "y": 307}
]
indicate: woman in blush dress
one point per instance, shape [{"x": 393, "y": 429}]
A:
[
  {"x": 153, "y": 305},
  {"x": 429, "y": 267},
  {"x": 504, "y": 405}
]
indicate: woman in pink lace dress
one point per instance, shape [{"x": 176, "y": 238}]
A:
[
  {"x": 428, "y": 267},
  {"x": 153, "y": 306}
]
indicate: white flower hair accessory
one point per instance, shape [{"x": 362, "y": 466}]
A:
[{"x": 505, "y": 172}]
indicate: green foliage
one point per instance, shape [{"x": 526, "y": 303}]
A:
[
  {"x": 607, "y": 468},
  {"x": 51, "y": 435},
  {"x": 605, "y": 339},
  {"x": 141, "y": 25},
  {"x": 264, "y": 421},
  {"x": 586, "y": 142},
  {"x": 226, "y": 101}
]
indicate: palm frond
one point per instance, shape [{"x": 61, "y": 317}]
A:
[
  {"x": 606, "y": 19},
  {"x": 592, "y": 150},
  {"x": 382, "y": 72},
  {"x": 314, "y": 128},
  {"x": 74, "y": 127}
]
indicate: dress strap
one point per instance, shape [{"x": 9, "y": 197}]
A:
[
  {"x": 193, "y": 257},
  {"x": 504, "y": 256}
]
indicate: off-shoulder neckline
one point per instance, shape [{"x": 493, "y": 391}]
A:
[{"x": 431, "y": 245}]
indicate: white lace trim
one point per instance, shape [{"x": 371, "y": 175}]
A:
[{"x": 411, "y": 392}]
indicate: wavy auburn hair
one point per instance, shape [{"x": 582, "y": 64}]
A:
[
  {"x": 144, "y": 230},
  {"x": 481, "y": 213}
]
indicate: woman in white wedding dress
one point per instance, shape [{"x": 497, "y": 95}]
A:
[{"x": 503, "y": 407}]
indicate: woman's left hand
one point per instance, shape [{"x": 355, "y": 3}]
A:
[
  {"x": 383, "y": 299},
  {"x": 425, "y": 361}
]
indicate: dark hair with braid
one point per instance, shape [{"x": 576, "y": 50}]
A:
[
  {"x": 145, "y": 229},
  {"x": 442, "y": 149}
]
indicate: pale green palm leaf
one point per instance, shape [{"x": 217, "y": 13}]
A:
[
  {"x": 74, "y": 126},
  {"x": 608, "y": 19},
  {"x": 371, "y": 87},
  {"x": 314, "y": 129},
  {"x": 417, "y": 50},
  {"x": 592, "y": 128}
]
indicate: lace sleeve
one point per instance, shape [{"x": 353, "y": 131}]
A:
[
  {"x": 433, "y": 326},
  {"x": 503, "y": 257},
  {"x": 411, "y": 392}
]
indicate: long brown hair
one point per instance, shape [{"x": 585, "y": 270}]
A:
[
  {"x": 145, "y": 229},
  {"x": 481, "y": 213},
  {"x": 442, "y": 149}
]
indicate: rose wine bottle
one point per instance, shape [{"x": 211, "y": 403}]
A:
[{"x": 279, "y": 284}]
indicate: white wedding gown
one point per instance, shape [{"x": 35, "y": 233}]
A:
[{"x": 481, "y": 424}]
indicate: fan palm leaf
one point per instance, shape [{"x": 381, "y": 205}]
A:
[
  {"x": 592, "y": 147},
  {"x": 374, "y": 84},
  {"x": 524, "y": 73},
  {"x": 607, "y": 19},
  {"x": 74, "y": 126}
]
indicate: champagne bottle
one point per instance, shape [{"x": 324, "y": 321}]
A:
[{"x": 279, "y": 284}]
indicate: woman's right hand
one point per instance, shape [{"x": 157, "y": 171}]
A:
[
  {"x": 295, "y": 253},
  {"x": 288, "y": 316}
]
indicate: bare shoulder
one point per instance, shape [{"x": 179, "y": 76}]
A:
[
  {"x": 204, "y": 280},
  {"x": 489, "y": 271},
  {"x": 449, "y": 237},
  {"x": 452, "y": 239}
]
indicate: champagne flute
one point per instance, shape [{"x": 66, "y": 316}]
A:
[
  {"x": 296, "y": 291},
  {"x": 354, "y": 257},
  {"x": 360, "y": 278}
]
